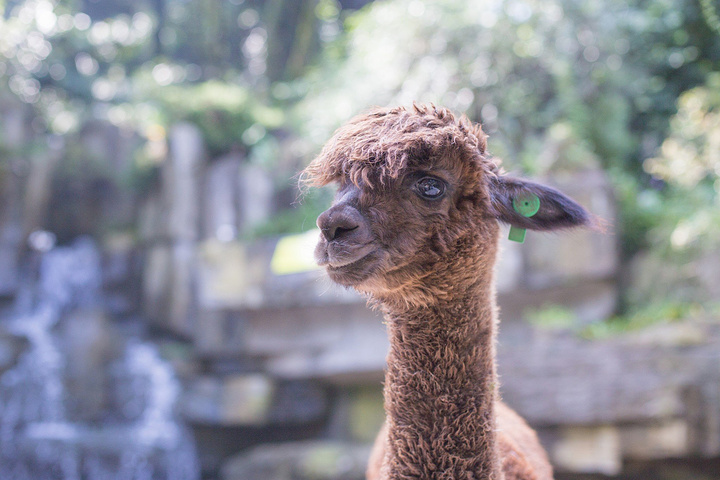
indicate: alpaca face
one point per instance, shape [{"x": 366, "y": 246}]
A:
[
  {"x": 416, "y": 213},
  {"x": 387, "y": 238}
]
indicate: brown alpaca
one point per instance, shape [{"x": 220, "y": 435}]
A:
[{"x": 414, "y": 226}]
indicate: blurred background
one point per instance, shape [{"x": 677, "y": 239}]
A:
[{"x": 149, "y": 152}]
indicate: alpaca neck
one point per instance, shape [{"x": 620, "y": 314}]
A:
[{"x": 440, "y": 389}]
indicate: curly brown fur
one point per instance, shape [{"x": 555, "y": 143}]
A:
[{"x": 414, "y": 226}]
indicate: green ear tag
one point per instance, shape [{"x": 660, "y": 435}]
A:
[
  {"x": 527, "y": 205},
  {"x": 517, "y": 234}
]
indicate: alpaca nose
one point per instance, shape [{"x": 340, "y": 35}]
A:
[{"x": 338, "y": 222}]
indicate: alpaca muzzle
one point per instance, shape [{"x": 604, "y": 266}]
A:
[{"x": 345, "y": 237}]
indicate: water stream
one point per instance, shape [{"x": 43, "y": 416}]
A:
[{"x": 134, "y": 436}]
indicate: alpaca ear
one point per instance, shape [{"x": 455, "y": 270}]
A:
[{"x": 524, "y": 204}]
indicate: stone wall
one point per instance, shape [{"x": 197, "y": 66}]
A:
[
  {"x": 270, "y": 358},
  {"x": 282, "y": 373}
]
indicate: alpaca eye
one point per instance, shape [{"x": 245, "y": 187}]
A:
[{"x": 430, "y": 188}]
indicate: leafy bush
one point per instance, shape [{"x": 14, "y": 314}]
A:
[
  {"x": 229, "y": 115},
  {"x": 683, "y": 263},
  {"x": 604, "y": 75}
]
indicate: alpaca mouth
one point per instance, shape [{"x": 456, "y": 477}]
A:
[
  {"x": 353, "y": 273},
  {"x": 354, "y": 269}
]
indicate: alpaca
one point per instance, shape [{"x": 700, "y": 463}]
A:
[{"x": 414, "y": 227}]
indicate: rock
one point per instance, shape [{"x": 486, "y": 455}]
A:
[
  {"x": 232, "y": 275},
  {"x": 183, "y": 302},
  {"x": 181, "y": 176},
  {"x": 10, "y": 230},
  {"x": 614, "y": 381},
  {"x": 299, "y": 461},
  {"x": 658, "y": 278},
  {"x": 37, "y": 196},
  {"x": 256, "y": 192},
  {"x": 9, "y": 271},
  {"x": 588, "y": 450},
  {"x": 101, "y": 141},
  {"x": 666, "y": 439},
  {"x": 220, "y": 198},
  {"x": 156, "y": 283},
  {"x": 11, "y": 347},
  {"x": 152, "y": 219},
  {"x": 299, "y": 402},
  {"x": 169, "y": 287},
  {"x": 229, "y": 401},
  {"x": 237, "y": 276},
  {"x": 310, "y": 342},
  {"x": 88, "y": 344},
  {"x": 358, "y": 413},
  {"x": 120, "y": 270},
  {"x": 587, "y": 301}
]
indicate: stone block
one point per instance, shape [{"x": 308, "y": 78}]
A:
[
  {"x": 156, "y": 283},
  {"x": 247, "y": 399},
  {"x": 310, "y": 342},
  {"x": 556, "y": 378},
  {"x": 152, "y": 219},
  {"x": 220, "y": 198},
  {"x": 218, "y": 332},
  {"x": 181, "y": 177},
  {"x": 183, "y": 302},
  {"x": 593, "y": 449},
  {"x": 299, "y": 461},
  {"x": 232, "y": 275},
  {"x": 565, "y": 257},
  {"x": 589, "y": 301},
  {"x": 11, "y": 347},
  {"x": 236, "y": 275},
  {"x": 169, "y": 287},
  {"x": 298, "y": 402},
  {"x": 665, "y": 439},
  {"x": 9, "y": 272},
  {"x": 256, "y": 191},
  {"x": 89, "y": 346},
  {"x": 229, "y": 401},
  {"x": 358, "y": 413},
  {"x": 120, "y": 272}
]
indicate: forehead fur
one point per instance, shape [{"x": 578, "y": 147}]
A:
[{"x": 380, "y": 145}]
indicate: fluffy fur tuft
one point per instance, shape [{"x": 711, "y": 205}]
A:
[{"x": 375, "y": 147}]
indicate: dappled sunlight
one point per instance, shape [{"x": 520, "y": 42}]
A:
[{"x": 172, "y": 133}]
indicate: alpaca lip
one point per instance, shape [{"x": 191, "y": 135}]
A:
[
  {"x": 348, "y": 263},
  {"x": 349, "y": 270},
  {"x": 332, "y": 255},
  {"x": 354, "y": 273}
]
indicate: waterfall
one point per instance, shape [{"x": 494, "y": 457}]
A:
[{"x": 141, "y": 439}]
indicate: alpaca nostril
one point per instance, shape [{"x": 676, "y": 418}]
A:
[
  {"x": 335, "y": 224},
  {"x": 341, "y": 231},
  {"x": 333, "y": 232}
]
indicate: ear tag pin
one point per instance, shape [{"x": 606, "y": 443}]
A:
[{"x": 527, "y": 205}]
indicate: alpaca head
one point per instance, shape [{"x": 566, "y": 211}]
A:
[{"x": 415, "y": 217}]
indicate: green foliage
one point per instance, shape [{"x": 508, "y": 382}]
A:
[
  {"x": 689, "y": 163},
  {"x": 552, "y": 317},
  {"x": 682, "y": 263},
  {"x": 229, "y": 115},
  {"x": 557, "y": 84},
  {"x": 300, "y": 217},
  {"x": 648, "y": 316},
  {"x": 560, "y": 85}
]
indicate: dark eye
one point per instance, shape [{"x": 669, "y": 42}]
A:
[{"x": 430, "y": 188}]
